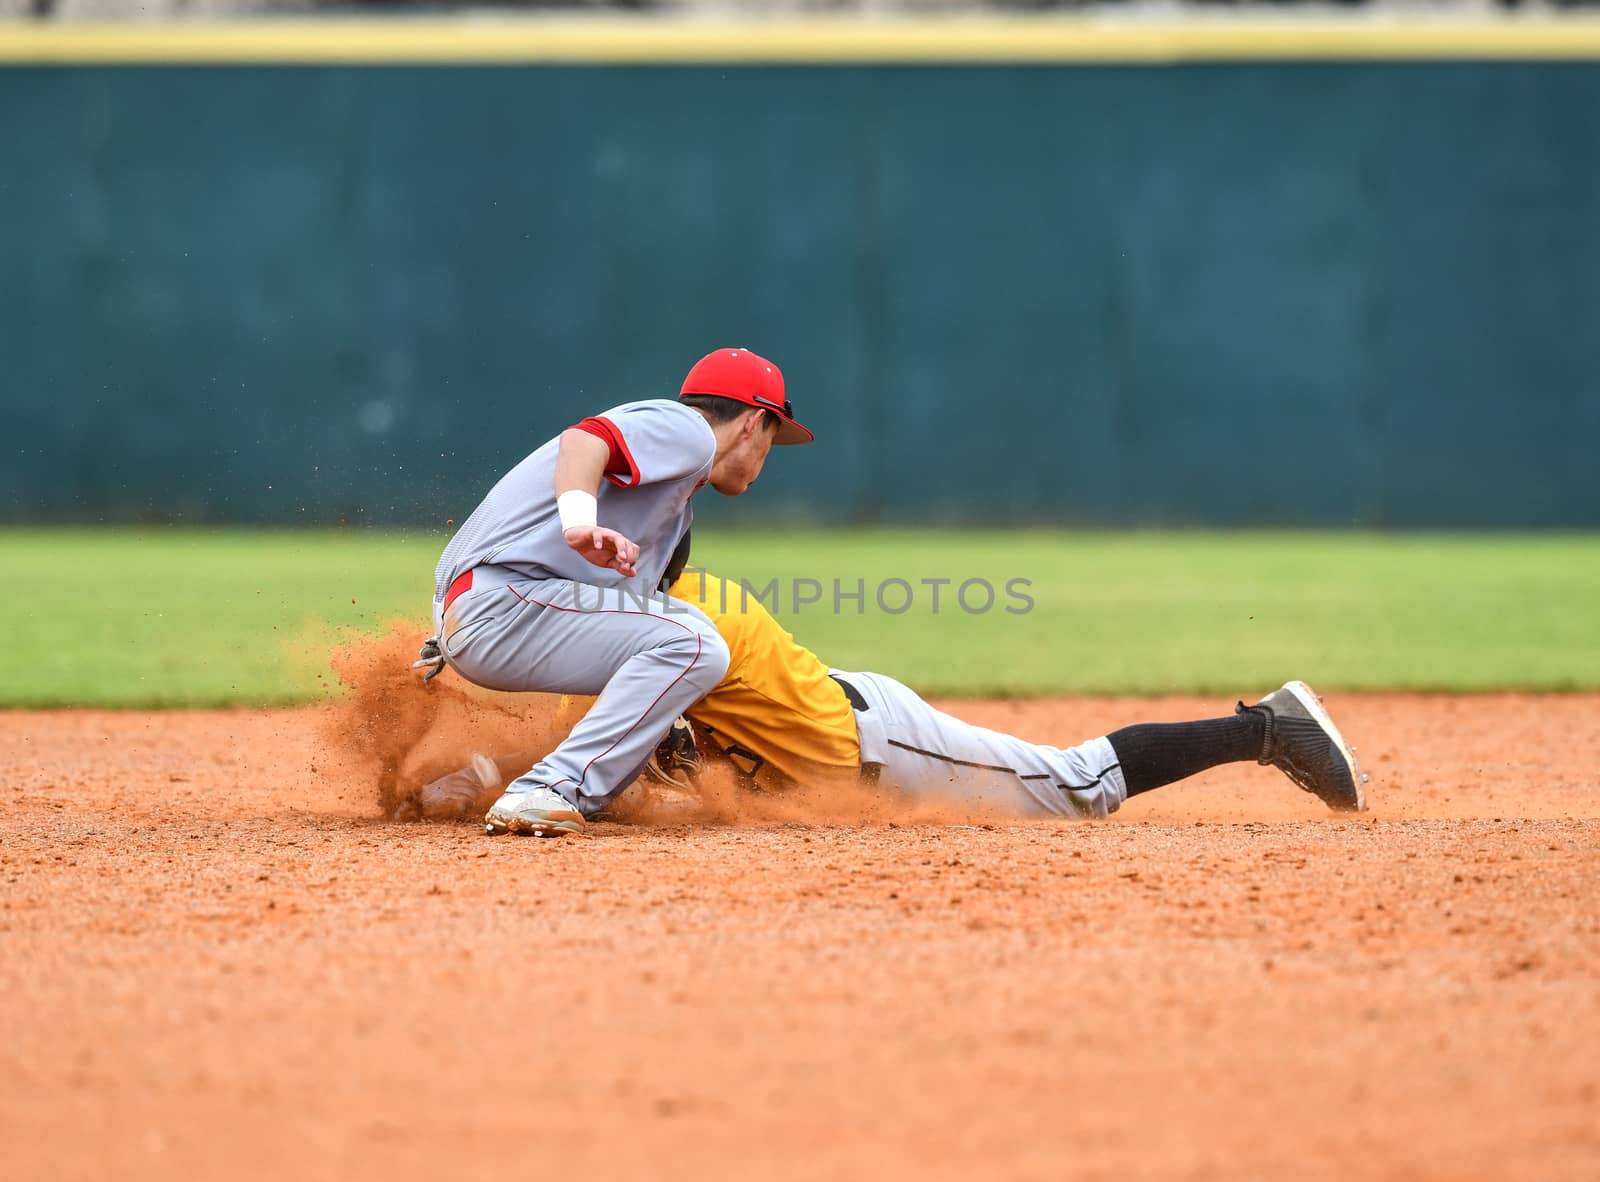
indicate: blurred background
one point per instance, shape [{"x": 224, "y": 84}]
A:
[
  {"x": 1189, "y": 272},
  {"x": 271, "y": 263}
]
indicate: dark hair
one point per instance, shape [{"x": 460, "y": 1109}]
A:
[
  {"x": 675, "y": 564},
  {"x": 718, "y": 409}
]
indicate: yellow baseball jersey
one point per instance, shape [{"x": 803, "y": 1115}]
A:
[{"x": 777, "y": 703}]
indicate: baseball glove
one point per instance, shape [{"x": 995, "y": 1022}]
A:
[
  {"x": 430, "y": 658},
  {"x": 676, "y": 760}
]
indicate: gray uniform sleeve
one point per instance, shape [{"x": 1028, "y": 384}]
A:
[{"x": 658, "y": 441}]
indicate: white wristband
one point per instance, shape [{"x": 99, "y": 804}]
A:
[{"x": 577, "y": 509}]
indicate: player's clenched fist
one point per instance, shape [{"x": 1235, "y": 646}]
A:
[{"x": 603, "y": 547}]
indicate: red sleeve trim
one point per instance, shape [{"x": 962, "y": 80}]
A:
[{"x": 620, "y": 469}]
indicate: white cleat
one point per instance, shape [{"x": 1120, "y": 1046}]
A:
[{"x": 540, "y": 812}]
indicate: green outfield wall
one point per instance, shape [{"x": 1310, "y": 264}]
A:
[{"x": 1218, "y": 287}]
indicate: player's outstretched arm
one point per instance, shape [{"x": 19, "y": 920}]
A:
[{"x": 580, "y": 462}]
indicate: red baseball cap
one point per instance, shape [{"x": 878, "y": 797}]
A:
[{"x": 749, "y": 378}]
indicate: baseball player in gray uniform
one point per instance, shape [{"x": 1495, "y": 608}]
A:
[{"x": 551, "y": 584}]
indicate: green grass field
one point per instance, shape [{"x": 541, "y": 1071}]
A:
[{"x": 190, "y": 618}]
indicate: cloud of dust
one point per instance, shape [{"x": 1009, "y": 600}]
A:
[{"x": 391, "y": 734}]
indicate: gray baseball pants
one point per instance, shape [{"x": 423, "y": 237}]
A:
[
  {"x": 648, "y": 659},
  {"x": 930, "y": 755}
]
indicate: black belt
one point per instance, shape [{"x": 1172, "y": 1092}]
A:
[
  {"x": 869, "y": 771},
  {"x": 851, "y": 693}
]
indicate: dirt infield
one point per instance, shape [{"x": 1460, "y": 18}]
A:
[{"x": 217, "y": 960}]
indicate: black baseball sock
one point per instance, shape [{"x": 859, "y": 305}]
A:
[{"x": 1157, "y": 753}]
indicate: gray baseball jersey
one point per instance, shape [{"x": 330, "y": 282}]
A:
[{"x": 665, "y": 451}]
